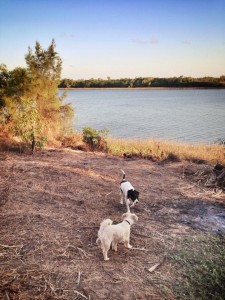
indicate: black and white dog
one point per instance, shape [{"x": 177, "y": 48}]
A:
[{"x": 128, "y": 192}]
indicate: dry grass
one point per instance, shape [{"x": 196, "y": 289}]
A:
[
  {"x": 156, "y": 149},
  {"x": 160, "y": 150}
]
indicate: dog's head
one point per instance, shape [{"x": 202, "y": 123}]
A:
[
  {"x": 133, "y": 195},
  {"x": 130, "y": 217}
]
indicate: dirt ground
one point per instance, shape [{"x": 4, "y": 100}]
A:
[{"x": 51, "y": 205}]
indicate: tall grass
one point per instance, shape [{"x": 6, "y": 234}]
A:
[
  {"x": 156, "y": 149},
  {"x": 160, "y": 150}
]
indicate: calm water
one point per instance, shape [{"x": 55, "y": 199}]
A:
[{"x": 193, "y": 116}]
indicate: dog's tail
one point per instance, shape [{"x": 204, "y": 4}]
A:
[
  {"x": 105, "y": 223},
  {"x": 123, "y": 174}
]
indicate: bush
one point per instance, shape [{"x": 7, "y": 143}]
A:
[
  {"x": 221, "y": 142},
  {"x": 95, "y": 139}
]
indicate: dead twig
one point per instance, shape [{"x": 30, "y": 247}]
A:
[
  {"x": 140, "y": 249},
  {"x": 7, "y": 296},
  {"x": 82, "y": 295},
  {"x": 78, "y": 277},
  {"x": 108, "y": 194},
  {"x": 153, "y": 268},
  {"x": 142, "y": 235},
  {"x": 8, "y": 246},
  {"x": 82, "y": 251},
  {"x": 89, "y": 226}
]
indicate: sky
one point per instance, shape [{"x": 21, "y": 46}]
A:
[{"x": 118, "y": 38}]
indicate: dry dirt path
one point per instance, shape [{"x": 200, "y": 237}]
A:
[{"x": 51, "y": 205}]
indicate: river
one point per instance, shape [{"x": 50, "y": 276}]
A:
[{"x": 183, "y": 115}]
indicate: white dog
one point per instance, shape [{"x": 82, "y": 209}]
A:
[
  {"x": 113, "y": 234},
  {"x": 128, "y": 192}
]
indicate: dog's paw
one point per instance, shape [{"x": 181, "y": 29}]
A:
[
  {"x": 129, "y": 246},
  {"x": 105, "y": 259}
]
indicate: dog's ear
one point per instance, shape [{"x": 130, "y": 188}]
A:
[
  {"x": 125, "y": 216},
  {"x": 134, "y": 217},
  {"x": 129, "y": 193},
  {"x": 136, "y": 193}
]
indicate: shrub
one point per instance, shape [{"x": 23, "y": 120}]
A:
[
  {"x": 221, "y": 142},
  {"x": 95, "y": 139}
]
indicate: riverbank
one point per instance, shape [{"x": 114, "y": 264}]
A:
[
  {"x": 155, "y": 150},
  {"x": 51, "y": 207}
]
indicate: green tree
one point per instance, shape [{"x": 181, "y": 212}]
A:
[{"x": 30, "y": 98}]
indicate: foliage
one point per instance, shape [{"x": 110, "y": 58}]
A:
[
  {"x": 95, "y": 139},
  {"x": 221, "y": 142},
  {"x": 145, "y": 82},
  {"x": 200, "y": 262},
  {"x": 26, "y": 119},
  {"x": 30, "y": 107}
]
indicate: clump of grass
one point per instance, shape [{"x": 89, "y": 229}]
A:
[
  {"x": 200, "y": 268},
  {"x": 161, "y": 150}
]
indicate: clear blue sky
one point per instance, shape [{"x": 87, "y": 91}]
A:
[{"x": 118, "y": 38}]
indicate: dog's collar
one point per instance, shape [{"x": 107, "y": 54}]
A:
[
  {"x": 124, "y": 180},
  {"x": 127, "y": 221}
]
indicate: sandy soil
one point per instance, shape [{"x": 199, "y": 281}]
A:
[{"x": 51, "y": 205}]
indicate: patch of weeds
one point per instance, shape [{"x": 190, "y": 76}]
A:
[{"x": 200, "y": 263}]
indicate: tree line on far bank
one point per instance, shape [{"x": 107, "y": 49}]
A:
[{"x": 146, "y": 82}]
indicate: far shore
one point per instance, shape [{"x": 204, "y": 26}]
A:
[{"x": 148, "y": 88}]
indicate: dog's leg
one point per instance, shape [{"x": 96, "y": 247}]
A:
[
  {"x": 134, "y": 203},
  {"x": 114, "y": 246},
  {"x": 127, "y": 204},
  {"x": 121, "y": 197},
  {"x": 105, "y": 253},
  {"x": 105, "y": 249},
  {"x": 127, "y": 245}
]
